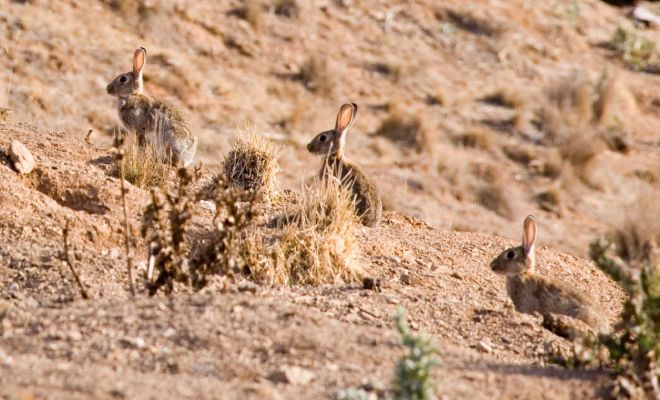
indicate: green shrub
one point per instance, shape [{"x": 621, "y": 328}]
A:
[{"x": 412, "y": 373}]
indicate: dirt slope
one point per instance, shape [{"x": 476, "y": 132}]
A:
[
  {"x": 55, "y": 345},
  {"x": 419, "y": 61}
]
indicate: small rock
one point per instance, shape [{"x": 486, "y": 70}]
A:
[
  {"x": 74, "y": 335},
  {"x": 21, "y": 157},
  {"x": 291, "y": 375},
  {"x": 484, "y": 347},
  {"x": 247, "y": 286},
  {"x": 405, "y": 279}
]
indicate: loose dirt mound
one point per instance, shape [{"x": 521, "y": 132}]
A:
[
  {"x": 456, "y": 101},
  {"x": 198, "y": 345}
]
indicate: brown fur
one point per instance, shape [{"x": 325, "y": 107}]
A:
[
  {"x": 368, "y": 202},
  {"x": 145, "y": 115},
  {"x": 531, "y": 292}
]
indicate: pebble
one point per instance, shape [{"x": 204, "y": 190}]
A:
[
  {"x": 484, "y": 347},
  {"x": 293, "y": 375},
  {"x": 21, "y": 157}
]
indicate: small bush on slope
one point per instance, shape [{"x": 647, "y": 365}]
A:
[
  {"x": 631, "y": 259},
  {"x": 316, "y": 243},
  {"x": 412, "y": 373}
]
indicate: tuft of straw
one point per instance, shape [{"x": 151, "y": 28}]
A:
[
  {"x": 318, "y": 244},
  {"x": 252, "y": 163},
  {"x": 146, "y": 165}
]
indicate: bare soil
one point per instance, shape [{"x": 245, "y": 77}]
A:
[{"x": 431, "y": 253}]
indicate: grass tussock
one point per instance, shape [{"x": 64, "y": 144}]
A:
[
  {"x": 318, "y": 244},
  {"x": 520, "y": 153},
  {"x": 569, "y": 122},
  {"x": 405, "y": 129},
  {"x": 251, "y": 11},
  {"x": 470, "y": 22},
  {"x": 493, "y": 193},
  {"x": 475, "y": 138},
  {"x": 5, "y": 114},
  {"x": 316, "y": 76},
  {"x": 145, "y": 166},
  {"x": 637, "y": 52},
  {"x": 507, "y": 97},
  {"x": 252, "y": 163},
  {"x": 286, "y": 8},
  {"x": 632, "y": 259},
  {"x": 550, "y": 199}
]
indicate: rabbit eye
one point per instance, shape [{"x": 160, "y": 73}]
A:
[
  {"x": 510, "y": 254},
  {"x": 123, "y": 79},
  {"x": 323, "y": 138}
]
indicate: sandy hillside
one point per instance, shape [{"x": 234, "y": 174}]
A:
[{"x": 461, "y": 123}]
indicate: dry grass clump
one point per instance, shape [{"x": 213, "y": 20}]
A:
[
  {"x": 145, "y": 165},
  {"x": 469, "y": 22},
  {"x": 475, "y": 138},
  {"x": 551, "y": 166},
  {"x": 569, "y": 121},
  {"x": 640, "y": 228},
  {"x": 550, "y": 199},
  {"x": 507, "y": 97},
  {"x": 316, "y": 75},
  {"x": 251, "y": 11},
  {"x": 317, "y": 246},
  {"x": 5, "y": 114},
  {"x": 635, "y": 51},
  {"x": 495, "y": 195},
  {"x": 406, "y": 129},
  {"x": 286, "y": 8},
  {"x": 520, "y": 153},
  {"x": 252, "y": 163}
]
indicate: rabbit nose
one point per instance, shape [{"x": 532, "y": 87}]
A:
[
  {"x": 109, "y": 89},
  {"x": 309, "y": 146}
]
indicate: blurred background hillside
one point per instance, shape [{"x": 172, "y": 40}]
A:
[{"x": 472, "y": 114}]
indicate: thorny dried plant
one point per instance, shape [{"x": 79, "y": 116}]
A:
[
  {"x": 236, "y": 209},
  {"x": 67, "y": 259},
  {"x": 119, "y": 155},
  {"x": 166, "y": 226}
]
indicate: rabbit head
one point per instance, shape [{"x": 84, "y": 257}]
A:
[
  {"x": 130, "y": 82},
  {"x": 332, "y": 142},
  {"x": 516, "y": 260}
]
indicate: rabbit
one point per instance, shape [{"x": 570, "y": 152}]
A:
[
  {"x": 145, "y": 115},
  {"x": 331, "y": 144},
  {"x": 531, "y": 292}
]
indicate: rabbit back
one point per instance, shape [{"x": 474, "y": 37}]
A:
[
  {"x": 143, "y": 115},
  {"x": 368, "y": 202},
  {"x": 534, "y": 293}
]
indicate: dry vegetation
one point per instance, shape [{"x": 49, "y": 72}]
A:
[
  {"x": 144, "y": 166},
  {"x": 252, "y": 163},
  {"x": 477, "y": 112},
  {"x": 316, "y": 244}
]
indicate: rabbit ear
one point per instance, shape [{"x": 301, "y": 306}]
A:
[
  {"x": 139, "y": 60},
  {"x": 529, "y": 234},
  {"x": 345, "y": 119}
]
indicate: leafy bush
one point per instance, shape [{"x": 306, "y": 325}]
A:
[{"x": 412, "y": 373}]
